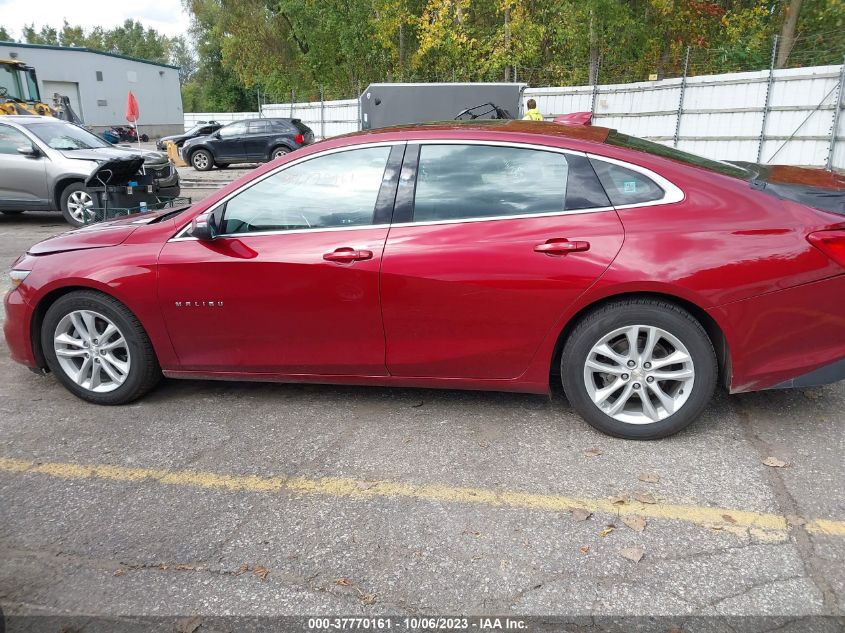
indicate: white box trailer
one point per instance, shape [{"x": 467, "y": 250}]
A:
[{"x": 402, "y": 103}]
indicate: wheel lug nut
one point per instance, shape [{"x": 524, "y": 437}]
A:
[
  {"x": 650, "y": 379},
  {"x": 636, "y": 385},
  {"x": 647, "y": 365},
  {"x": 625, "y": 376},
  {"x": 84, "y": 343},
  {"x": 631, "y": 363}
]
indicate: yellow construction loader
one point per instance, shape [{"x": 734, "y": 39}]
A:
[{"x": 19, "y": 90}]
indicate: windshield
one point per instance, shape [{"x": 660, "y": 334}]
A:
[
  {"x": 64, "y": 136},
  {"x": 632, "y": 142},
  {"x": 10, "y": 84}
]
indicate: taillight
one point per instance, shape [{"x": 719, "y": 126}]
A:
[
  {"x": 831, "y": 243},
  {"x": 299, "y": 138}
]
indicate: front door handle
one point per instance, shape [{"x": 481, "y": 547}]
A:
[
  {"x": 561, "y": 246},
  {"x": 347, "y": 255}
]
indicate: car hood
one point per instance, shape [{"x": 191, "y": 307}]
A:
[
  {"x": 110, "y": 153},
  {"x": 98, "y": 235}
]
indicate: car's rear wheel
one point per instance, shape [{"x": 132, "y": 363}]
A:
[
  {"x": 639, "y": 369},
  {"x": 278, "y": 152},
  {"x": 77, "y": 204},
  {"x": 98, "y": 349},
  {"x": 202, "y": 160}
]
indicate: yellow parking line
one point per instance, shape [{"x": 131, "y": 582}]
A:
[{"x": 362, "y": 489}]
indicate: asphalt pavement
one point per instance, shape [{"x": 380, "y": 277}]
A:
[{"x": 213, "y": 499}]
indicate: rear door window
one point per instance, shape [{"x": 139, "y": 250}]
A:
[{"x": 458, "y": 182}]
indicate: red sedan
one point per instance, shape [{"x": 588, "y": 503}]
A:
[{"x": 495, "y": 255}]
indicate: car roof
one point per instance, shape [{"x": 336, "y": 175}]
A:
[{"x": 589, "y": 133}]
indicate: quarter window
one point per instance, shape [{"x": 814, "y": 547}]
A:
[
  {"x": 335, "y": 190},
  {"x": 626, "y": 186}
]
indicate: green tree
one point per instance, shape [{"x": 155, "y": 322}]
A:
[
  {"x": 45, "y": 35},
  {"x": 5, "y": 36}
]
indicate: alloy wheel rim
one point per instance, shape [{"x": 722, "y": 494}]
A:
[
  {"x": 92, "y": 351},
  {"x": 279, "y": 153},
  {"x": 639, "y": 374},
  {"x": 200, "y": 160},
  {"x": 79, "y": 204}
]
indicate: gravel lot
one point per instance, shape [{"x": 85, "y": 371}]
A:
[{"x": 244, "y": 499}]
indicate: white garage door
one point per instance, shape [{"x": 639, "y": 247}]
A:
[{"x": 69, "y": 89}]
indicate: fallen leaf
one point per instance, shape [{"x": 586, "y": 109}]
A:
[
  {"x": 585, "y": 549},
  {"x": 794, "y": 519},
  {"x": 184, "y": 567},
  {"x": 188, "y": 625},
  {"x": 632, "y": 553},
  {"x": 261, "y": 572},
  {"x": 607, "y": 530},
  {"x": 645, "y": 497},
  {"x": 619, "y": 500},
  {"x": 119, "y": 572},
  {"x": 592, "y": 452},
  {"x": 579, "y": 514},
  {"x": 343, "y": 582},
  {"x": 649, "y": 478},
  {"x": 774, "y": 462},
  {"x": 635, "y": 522},
  {"x": 813, "y": 395},
  {"x": 469, "y": 532},
  {"x": 368, "y": 598},
  {"x": 242, "y": 569},
  {"x": 728, "y": 518}
]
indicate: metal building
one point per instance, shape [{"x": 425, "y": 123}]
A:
[{"x": 98, "y": 83}]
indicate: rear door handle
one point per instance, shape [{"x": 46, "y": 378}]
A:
[
  {"x": 347, "y": 255},
  {"x": 559, "y": 247}
]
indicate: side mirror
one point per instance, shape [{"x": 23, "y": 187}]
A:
[
  {"x": 30, "y": 151},
  {"x": 216, "y": 135},
  {"x": 203, "y": 227}
]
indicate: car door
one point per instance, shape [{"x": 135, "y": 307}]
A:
[
  {"x": 291, "y": 284},
  {"x": 485, "y": 254},
  {"x": 230, "y": 146},
  {"x": 23, "y": 179},
  {"x": 256, "y": 140}
]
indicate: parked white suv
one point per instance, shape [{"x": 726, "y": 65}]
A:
[{"x": 44, "y": 163}]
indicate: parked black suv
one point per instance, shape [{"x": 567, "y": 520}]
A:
[
  {"x": 248, "y": 141},
  {"x": 203, "y": 128}
]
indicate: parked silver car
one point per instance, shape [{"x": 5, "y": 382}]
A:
[{"x": 44, "y": 163}]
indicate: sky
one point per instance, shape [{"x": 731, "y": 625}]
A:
[{"x": 166, "y": 16}]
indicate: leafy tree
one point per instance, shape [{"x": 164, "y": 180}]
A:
[
  {"x": 5, "y": 36},
  {"x": 182, "y": 56}
]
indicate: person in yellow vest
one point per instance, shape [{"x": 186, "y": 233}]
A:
[{"x": 532, "y": 114}]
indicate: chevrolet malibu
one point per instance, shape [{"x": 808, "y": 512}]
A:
[{"x": 496, "y": 256}]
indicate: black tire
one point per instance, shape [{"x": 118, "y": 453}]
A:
[
  {"x": 74, "y": 218},
  {"x": 144, "y": 371},
  {"x": 144, "y": 138},
  {"x": 222, "y": 165},
  {"x": 202, "y": 160},
  {"x": 278, "y": 152},
  {"x": 11, "y": 212},
  {"x": 650, "y": 312}
]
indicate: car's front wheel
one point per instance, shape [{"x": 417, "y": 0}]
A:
[
  {"x": 98, "y": 349},
  {"x": 77, "y": 204},
  {"x": 639, "y": 369},
  {"x": 202, "y": 160}
]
